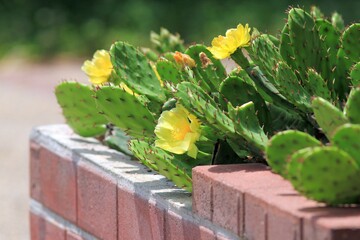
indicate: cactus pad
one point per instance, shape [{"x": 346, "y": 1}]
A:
[
  {"x": 238, "y": 92},
  {"x": 282, "y": 145},
  {"x": 350, "y": 42},
  {"x": 293, "y": 167},
  {"x": 328, "y": 116},
  {"x": 171, "y": 166},
  {"x": 266, "y": 55},
  {"x": 290, "y": 87},
  {"x": 331, "y": 176},
  {"x": 305, "y": 41},
  {"x": 247, "y": 125},
  {"x": 133, "y": 68},
  {"x": 208, "y": 69},
  {"x": 355, "y": 75},
  {"x": 352, "y": 107},
  {"x": 125, "y": 111},
  {"x": 193, "y": 98},
  {"x": 316, "y": 85},
  {"x": 168, "y": 71},
  {"x": 118, "y": 140},
  {"x": 79, "y": 109},
  {"x": 347, "y": 139}
]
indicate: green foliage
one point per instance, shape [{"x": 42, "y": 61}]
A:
[
  {"x": 78, "y": 105},
  {"x": 328, "y": 116},
  {"x": 283, "y": 145},
  {"x": 134, "y": 70},
  {"x": 118, "y": 139},
  {"x": 125, "y": 111}
]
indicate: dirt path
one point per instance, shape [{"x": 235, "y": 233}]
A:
[{"x": 26, "y": 100}]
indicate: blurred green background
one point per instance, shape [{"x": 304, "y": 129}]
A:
[{"x": 42, "y": 29}]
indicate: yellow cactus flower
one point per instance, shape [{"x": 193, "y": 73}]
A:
[
  {"x": 99, "y": 68},
  {"x": 222, "y": 47},
  {"x": 177, "y": 131},
  {"x": 184, "y": 59}
]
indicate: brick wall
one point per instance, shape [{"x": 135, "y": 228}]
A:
[{"x": 82, "y": 190}]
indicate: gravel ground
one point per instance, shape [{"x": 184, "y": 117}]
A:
[{"x": 26, "y": 100}]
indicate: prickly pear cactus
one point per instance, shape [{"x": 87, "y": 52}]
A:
[
  {"x": 328, "y": 116},
  {"x": 125, "y": 111},
  {"x": 133, "y": 68},
  {"x": 330, "y": 175},
  {"x": 352, "y": 107},
  {"x": 283, "y": 145},
  {"x": 79, "y": 109},
  {"x": 174, "y": 167},
  {"x": 355, "y": 75},
  {"x": 305, "y": 80}
]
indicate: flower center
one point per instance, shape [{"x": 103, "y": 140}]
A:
[{"x": 180, "y": 132}]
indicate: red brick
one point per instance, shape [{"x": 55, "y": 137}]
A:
[
  {"x": 35, "y": 187},
  {"x": 241, "y": 176},
  {"x": 225, "y": 185},
  {"x": 147, "y": 220},
  {"x": 97, "y": 202},
  {"x": 73, "y": 236},
  {"x": 226, "y": 207},
  {"x": 332, "y": 223},
  {"x": 280, "y": 206},
  {"x": 181, "y": 229},
  {"x": 41, "y": 229},
  {"x": 202, "y": 195},
  {"x": 36, "y": 224},
  {"x": 282, "y": 225},
  {"x": 255, "y": 219},
  {"x": 58, "y": 184}
]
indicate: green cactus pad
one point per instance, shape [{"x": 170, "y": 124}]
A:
[
  {"x": 247, "y": 125},
  {"x": 290, "y": 87},
  {"x": 174, "y": 167},
  {"x": 316, "y": 85},
  {"x": 305, "y": 40},
  {"x": 328, "y": 116},
  {"x": 350, "y": 42},
  {"x": 266, "y": 55},
  {"x": 267, "y": 89},
  {"x": 316, "y": 12},
  {"x": 337, "y": 21},
  {"x": 208, "y": 69},
  {"x": 244, "y": 76},
  {"x": 285, "y": 47},
  {"x": 125, "y": 111},
  {"x": 118, "y": 140},
  {"x": 352, "y": 107},
  {"x": 330, "y": 43},
  {"x": 293, "y": 167},
  {"x": 168, "y": 71},
  {"x": 79, "y": 109},
  {"x": 347, "y": 139},
  {"x": 282, "y": 145},
  {"x": 193, "y": 98},
  {"x": 342, "y": 82},
  {"x": 238, "y": 92},
  {"x": 331, "y": 176},
  {"x": 283, "y": 119},
  {"x": 355, "y": 75},
  {"x": 133, "y": 68}
]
